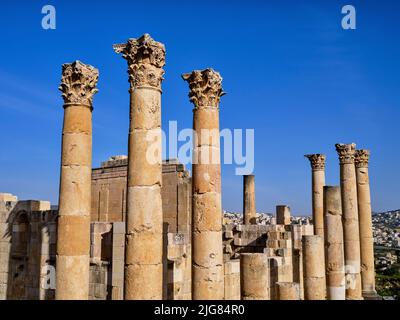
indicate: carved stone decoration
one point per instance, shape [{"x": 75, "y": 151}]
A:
[
  {"x": 361, "y": 158},
  {"x": 346, "y": 152},
  {"x": 145, "y": 58},
  {"x": 78, "y": 83},
  {"x": 317, "y": 161},
  {"x": 205, "y": 87}
]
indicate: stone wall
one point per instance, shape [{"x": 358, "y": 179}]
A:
[
  {"x": 281, "y": 243},
  {"x": 28, "y": 233},
  {"x": 109, "y": 193}
]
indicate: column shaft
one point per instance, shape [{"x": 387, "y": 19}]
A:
[
  {"x": 288, "y": 291},
  {"x": 351, "y": 234},
  {"x": 249, "y": 200},
  {"x": 334, "y": 255},
  {"x": 283, "y": 215},
  {"x": 73, "y": 232},
  {"x": 318, "y": 181},
  {"x": 365, "y": 219},
  {"x": 207, "y": 255},
  {"x": 144, "y": 217},
  {"x": 254, "y": 276},
  {"x": 314, "y": 268}
]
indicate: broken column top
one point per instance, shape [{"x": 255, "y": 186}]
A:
[
  {"x": 361, "y": 158},
  {"x": 346, "y": 152},
  {"x": 317, "y": 161},
  {"x": 8, "y": 197},
  {"x": 145, "y": 58},
  {"x": 78, "y": 83},
  {"x": 205, "y": 87}
]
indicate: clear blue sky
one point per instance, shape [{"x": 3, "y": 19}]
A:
[{"x": 291, "y": 73}]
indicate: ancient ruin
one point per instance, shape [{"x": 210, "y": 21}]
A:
[
  {"x": 334, "y": 252},
  {"x": 365, "y": 218},
  {"x": 317, "y": 162},
  {"x": 78, "y": 84},
  {"x": 351, "y": 226},
  {"x": 140, "y": 227},
  {"x": 208, "y": 273},
  {"x": 144, "y": 219}
]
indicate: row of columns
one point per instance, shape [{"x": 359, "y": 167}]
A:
[
  {"x": 144, "y": 219},
  {"x": 342, "y": 216}
]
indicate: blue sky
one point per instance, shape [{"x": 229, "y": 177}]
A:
[{"x": 291, "y": 73}]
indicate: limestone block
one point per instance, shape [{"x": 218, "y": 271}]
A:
[
  {"x": 147, "y": 214},
  {"x": 145, "y": 160},
  {"x": 72, "y": 267},
  {"x": 143, "y": 282},
  {"x": 205, "y": 212},
  {"x": 77, "y": 120},
  {"x": 145, "y": 112}
]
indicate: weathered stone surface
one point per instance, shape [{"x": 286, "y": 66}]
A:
[
  {"x": 314, "y": 268},
  {"x": 249, "y": 200},
  {"x": 317, "y": 162},
  {"x": 351, "y": 233},
  {"x": 365, "y": 220},
  {"x": 334, "y": 252},
  {"x": 143, "y": 267},
  {"x": 208, "y": 270},
  {"x": 288, "y": 291},
  {"x": 254, "y": 276},
  {"x": 78, "y": 85},
  {"x": 283, "y": 214}
]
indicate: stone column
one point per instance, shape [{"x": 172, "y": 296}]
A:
[
  {"x": 288, "y": 291},
  {"x": 351, "y": 233},
  {"x": 334, "y": 255},
  {"x": 317, "y": 162},
  {"x": 283, "y": 215},
  {"x": 208, "y": 270},
  {"x": 249, "y": 200},
  {"x": 314, "y": 268},
  {"x": 365, "y": 219},
  {"x": 254, "y": 276},
  {"x": 144, "y": 217},
  {"x": 78, "y": 85}
]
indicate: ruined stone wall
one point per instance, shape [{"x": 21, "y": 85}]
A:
[
  {"x": 282, "y": 245},
  {"x": 109, "y": 193},
  {"x": 27, "y": 249}
]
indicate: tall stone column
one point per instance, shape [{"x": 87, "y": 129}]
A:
[
  {"x": 207, "y": 256},
  {"x": 249, "y": 200},
  {"x": 314, "y": 268},
  {"x": 144, "y": 217},
  {"x": 351, "y": 233},
  {"x": 334, "y": 255},
  {"x": 365, "y": 219},
  {"x": 254, "y": 276},
  {"x": 317, "y": 162},
  {"x": 78, "y": 85},
  {"x": 283, "y": 215}
]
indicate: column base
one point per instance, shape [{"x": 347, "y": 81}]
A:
[{"x": 371, "y": 295}]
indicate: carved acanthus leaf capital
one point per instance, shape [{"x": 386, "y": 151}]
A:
[
  {"x": 205, "y": 87},
  {"x": 78, "y": 83},
  {"x": 346, "y": 152},
  {"x": 146, "y": 58},
  {"x": 361, "y": 158},
  {"x": 317, "y": 161}
]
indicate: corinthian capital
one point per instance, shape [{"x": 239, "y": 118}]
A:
[
  {"x": 205, "y": 87},
  {"x": 145, "y": 58},
  {"x": 317, "y": 161},
  {"x": 361, "y": 158},
  {"x": 346, "y": 152},
  {"x": 78, "y": 83}
]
